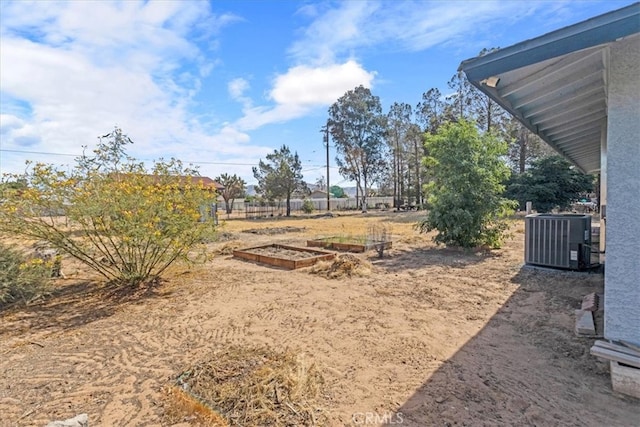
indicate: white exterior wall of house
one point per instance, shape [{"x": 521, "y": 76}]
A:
[{"x": 622, "y": 167}]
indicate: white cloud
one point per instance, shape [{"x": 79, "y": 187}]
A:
[
  {"x": 22, "y": 133},
  {"x": 404, "y": 25},
  {"x": 334, "y": 32},
  {"x": 230, "y": 135},
  {"x": 71, "y": 70},
  {"x": 256, "y": 117},
  {"x": 83, "y": 67},
  {"x": 8, "y": 122},
  {"x": 317, "y": 79},
  {"x": 237, "y": 87},
  {"x": 303, "y": 88},
  {"x": 312, "y": 86},
  {"x": 324, "y": 68}
]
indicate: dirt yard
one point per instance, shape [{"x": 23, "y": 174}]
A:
[{"x": 432, "y": 336}]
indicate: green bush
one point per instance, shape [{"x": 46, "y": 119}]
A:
[
  {"x": 466, "y": 201},
  {"x": 307, "y": 206},
  {"x": 550, "y": 183},
  {"x": 21, "y": 279}
]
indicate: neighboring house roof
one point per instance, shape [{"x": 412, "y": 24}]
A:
[
  {"x": 556, "y": 84},
  {"x": 319, "y": 194},
  {"x": 206, "y": 181}
]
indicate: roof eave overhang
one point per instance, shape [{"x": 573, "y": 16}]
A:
[
  {"x": 595, "y": 31},
  {"x": 576, "y": 51}
]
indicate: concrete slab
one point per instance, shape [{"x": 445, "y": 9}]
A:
[{"x": 584, "y": 323}]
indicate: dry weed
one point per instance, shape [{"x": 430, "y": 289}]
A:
[
  {"x": 344, "y": 265},
  {"x": 180, "y": 406},
  {"x": 257, "y": 386},
  {"x": 228, "y": 248}
]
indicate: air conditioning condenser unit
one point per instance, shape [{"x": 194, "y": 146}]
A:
[{"x": 558, "y": 240}]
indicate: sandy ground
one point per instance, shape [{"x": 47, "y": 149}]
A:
[{"x": 432, "y": 336}]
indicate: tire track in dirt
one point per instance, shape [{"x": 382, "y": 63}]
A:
[
  {"x": 265, "y": 314},
  {"x": 294, "y": 331},
  {"x": 174, "y": 332},
  {"x": 378, "y": 345},
  {"x": 109, "y": 375},
  {"x": 136, "y": 381},
  {"x": 230, "y": 334}
]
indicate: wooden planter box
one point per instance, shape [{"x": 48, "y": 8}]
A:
[
  {"x": 330, "y": 243},
  {"x": 280, "y": 256}
]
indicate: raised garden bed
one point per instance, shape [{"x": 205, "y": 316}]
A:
[
  {"x": 348, "y": 245},
  {"x": 289, "y": 257}
]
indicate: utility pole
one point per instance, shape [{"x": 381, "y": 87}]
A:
[{"x": 325, "y": 129}]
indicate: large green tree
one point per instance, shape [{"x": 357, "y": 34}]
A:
[
  {"x": 280, "y": 176},
  {"x": 358, "y": 128},
  {"x": 458, "y": 105},
  {"x": 397, "y": 137},
  {"x": 486, "y": 112},
  {"x": 550, "y": 183},
  {"x": 337, "y": 191},
  {"x": 430, "y": 111},
  {"x": 233, "y": 189},
  {"x": 525, "y": 147},
  {"x": 467, "y": 207},
  {"x": 415, "y": 139}
]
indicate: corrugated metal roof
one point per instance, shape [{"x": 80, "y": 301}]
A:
[{"x": 556, "y": 84}]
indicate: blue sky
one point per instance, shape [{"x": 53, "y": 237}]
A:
[{"x": 223, "y": 83}]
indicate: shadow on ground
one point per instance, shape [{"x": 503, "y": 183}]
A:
[
  {"x": 549, "y": 377},
  {"x": 416, "y": 258},
  {"x": 72, "y": 305}
]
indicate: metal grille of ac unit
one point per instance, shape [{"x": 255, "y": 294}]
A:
[{"x": 558, "y": 240}]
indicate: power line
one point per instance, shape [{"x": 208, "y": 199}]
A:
[
  {"x": 313, "y": 167},
  {"x": 199, "y": 162},
  {"x": 38, "y": 152}
]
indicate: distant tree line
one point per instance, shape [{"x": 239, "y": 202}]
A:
[{"x": 390, "y": 151}]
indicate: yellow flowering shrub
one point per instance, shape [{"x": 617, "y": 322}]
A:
[{"x": 125, "y": 222}]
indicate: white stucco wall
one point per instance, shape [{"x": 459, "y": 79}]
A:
[{"x": 622, "y": 268}]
